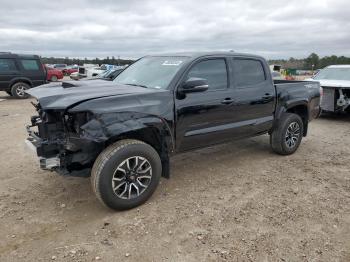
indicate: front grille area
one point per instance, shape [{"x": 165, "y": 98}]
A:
[{"x": 328, "y": 99}]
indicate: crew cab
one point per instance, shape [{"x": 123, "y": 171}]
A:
[
  {"x": 19, "y": 73},
  {"x": 123, "y": 132}
]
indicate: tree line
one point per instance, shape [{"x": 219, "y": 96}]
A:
[
  {"x": 313, "y": 61},
  {"x": 78, "y": 61}
]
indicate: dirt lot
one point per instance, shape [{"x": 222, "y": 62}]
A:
[{"x": 234, "y": 202}]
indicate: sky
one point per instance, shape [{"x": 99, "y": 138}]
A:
[{"x": 131, "y": 29}]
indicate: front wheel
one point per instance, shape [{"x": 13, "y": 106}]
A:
[
  {"x": 18, "y": 90},
  {"x": 53, "y": 78},
  {"x": 126, "y": 174},
  {"x": 286, "y": 138}
]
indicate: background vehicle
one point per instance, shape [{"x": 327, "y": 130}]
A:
[
  {"x": 335, "y": 82},
  {"x": 276, "y": 75},
  {"x": 70, "y": 69},
  {"x": 88, "y": 71},
  {"x": 53, "y": 74},
  {"x": 20, "y": 72},
  {"x": 123, "y": 132},
  {"x": 108, "y": 75},
  {"x": 59, "y": 66}
]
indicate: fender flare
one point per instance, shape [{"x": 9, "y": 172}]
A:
[
  {"x": 289, "y": 105},
  {"x": 109, "y": 127}
]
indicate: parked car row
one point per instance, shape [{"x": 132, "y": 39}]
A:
[
  {"x": 64, "y": 68},
  {"x": 88, "y": 71},
  {"x": 21, "y": 72}
]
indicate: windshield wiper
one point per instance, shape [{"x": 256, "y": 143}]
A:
[{"x": 137, "y": 85}]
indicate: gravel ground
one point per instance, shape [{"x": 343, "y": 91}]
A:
[{"x": 234, "y": 202}]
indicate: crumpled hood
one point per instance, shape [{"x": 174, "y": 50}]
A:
[
  {"x": 63, "y": 95},
  {"x": 333, "y": 83}
]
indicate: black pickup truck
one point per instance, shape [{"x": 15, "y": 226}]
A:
[{"x": 123, "y": 132}]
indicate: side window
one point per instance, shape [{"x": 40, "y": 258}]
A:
[
  {"x": 30, "y": 64},
  {"x": 213, "y": 70},
  {"x": 7, "y": 65},
  {"x": 248, "y": 72}
]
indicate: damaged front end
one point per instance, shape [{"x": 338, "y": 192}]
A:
[{"x": 59, "y": 142}]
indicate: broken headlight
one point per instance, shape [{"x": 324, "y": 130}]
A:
[{"x": 76, "y": 120}]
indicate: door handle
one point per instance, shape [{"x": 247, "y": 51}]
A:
[
  {"x": 267, "y": 96},
  {"x": 227, "y": 101}
]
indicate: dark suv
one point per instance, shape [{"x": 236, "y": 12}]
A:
[{"x": 20, "y": 72}]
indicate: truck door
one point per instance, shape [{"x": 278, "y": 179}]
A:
[
  {"x": 254, "y": 98},
  {"x": 202, "y": 117}
]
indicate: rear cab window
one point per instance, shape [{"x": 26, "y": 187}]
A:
[
  {"x": 30, "y": 64},
  {"x": 248, "y": 72},
  {"x": 7, "y": 65},
  {"x": 213, "y": 70}
]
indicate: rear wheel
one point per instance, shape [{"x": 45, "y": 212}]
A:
[
  {"x": 18, "y": 90},
  {"x": 126, "y": 174},
  {"x": 286, "y": 138},
  {"x": 54, "y": 78}
]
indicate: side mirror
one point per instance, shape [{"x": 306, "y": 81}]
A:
[{"x": 193, "y": 85}]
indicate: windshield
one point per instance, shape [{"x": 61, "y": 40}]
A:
[
  {"x": 151, "y": 71},
  {"x": 334, "y": 74}
]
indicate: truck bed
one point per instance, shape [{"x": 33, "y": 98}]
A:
[
  {"x": 295, "y": 84},
  {"x": 289, "y": 90}
]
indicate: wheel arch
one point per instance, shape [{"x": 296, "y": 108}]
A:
[
  {"x": 112, "y": 127},
  {"x": 21, "y": 79},
  {"x": 152, "y": 136},
  {"x": 299, "y": 108}
]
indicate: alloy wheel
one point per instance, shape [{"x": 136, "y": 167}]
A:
[
  {"x": 20, "y": 90},
  {"x": 132, "y": 177},
  {"x": 292, "y": 135}
]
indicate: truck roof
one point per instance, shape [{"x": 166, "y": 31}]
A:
[
  {"x": 195, "y": 55},
  {"x": 338, "y": 66},
  {"x": 12, "y": 55}
]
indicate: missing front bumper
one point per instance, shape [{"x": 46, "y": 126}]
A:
[
  {"x": 34, "y": 143},
  {"x": 50, "y": 163}
]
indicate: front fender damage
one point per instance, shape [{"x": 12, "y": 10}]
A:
[{"x": 106, "y": 128}]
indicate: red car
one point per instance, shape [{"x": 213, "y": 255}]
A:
[
  {"x": 70, "y": 69},
  {"x": 53, "y": 74}
]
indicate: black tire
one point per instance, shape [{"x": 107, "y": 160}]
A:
[
  {"x": 17, "y": 90},
  {"x": 53, "y": 78},
  {"x": 283, "y": 141},
  {"x": 111, "y": 159}
]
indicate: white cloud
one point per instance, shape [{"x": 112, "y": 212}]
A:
[{"x": 134, "y": 28}]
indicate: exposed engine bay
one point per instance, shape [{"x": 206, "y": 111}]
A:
[
  {"x": 335, "y": 99},
  {"x": 60, "y": 142}
]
